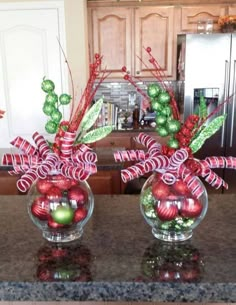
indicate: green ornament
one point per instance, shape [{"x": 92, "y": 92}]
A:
[
  {"x": 63, "y": 215},
  {"x": 47, "y": 85},
  {"x": 161, "y": 119},
  {"x": 164, "y": 97},
  {"x": 51, "y": 98},
  {"x": 173, "y": 143},
  {"x": 65, "y": 99},
  {"x": 48, "y": 109},
  {"x": 162, "y": 131},
  {"x": 173, "y": 126},
  {"x": 167, "y": 110},
  {"x": 153, "y": 90},
  {"x": 156, "y": 106},
  {"x": 56, "y": 116},
  {"x": 51, "y": 127}
]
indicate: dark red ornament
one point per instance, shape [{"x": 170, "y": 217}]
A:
[
  {"x": 54, "y": 193},
  {"x": 54, "y": 225},
  {"x": 180, "y": 188},
  {"x": 191, "y": 208},
  {"x": 62, "y": 182},
  {"x": 166, "y": 211},
  {"x": 43, "y": 185},
  {"x": 80, "y": 214},
  {"x": 78, "y": 194},
  {"x": 40, "y": 208},
  {"x": 160, "y": 190}
]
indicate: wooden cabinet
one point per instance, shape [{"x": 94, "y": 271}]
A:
[
  {"x": 155, "y": 27},
  {"x": 191, "y": 15},
  {"x": 8, "y": 184},
  {"x": 121, "y": 34}
]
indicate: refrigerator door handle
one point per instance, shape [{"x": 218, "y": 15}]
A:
[
  {"x": 233, "y": 107},
  {"x": 226, "y": 83}
]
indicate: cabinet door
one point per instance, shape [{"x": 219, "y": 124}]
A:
[
  {"x": 191, "y": 15},
  {"x": 110, "y": 35},
  {"x": 29, "y": 51},
  {"x": 232, "y": 9},
  {"x": 154, "y": 27}
]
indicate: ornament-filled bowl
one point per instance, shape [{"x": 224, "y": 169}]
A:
[
  {"x": 60, "y": 207},
  {"x": 172, "y": 210}
]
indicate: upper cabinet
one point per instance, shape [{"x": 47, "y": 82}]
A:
[
  {"x": 191, "y": 15},
  {"x": 121, "y": 35},
  {"x": 154, "y": 27},
  {"x": 110, "y": 33}
]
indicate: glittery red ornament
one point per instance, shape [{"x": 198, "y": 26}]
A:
[
  {"x": 194, "y": 166},
  {"x": 43, "y": 185},
  {"x": 180, "y": 188},
  {"x": 186, "y": 132},
  {"x": 54, "y": 193},
  {"x": 191, "y": 208},
  {"x": 40, "y": 208},
  {"x": 63, "y": 183},
  {"x": 160, "y": 190},
  {"x": 78, "y": 194},
  {"x": 166, "y": 210},
  {"x": 80, "y": 214}
]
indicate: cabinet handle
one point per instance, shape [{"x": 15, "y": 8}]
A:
[
  {"x": 112, "y": 143},
  {"x": 137, "y": 72},
  {"x": 128, "y": 72}
]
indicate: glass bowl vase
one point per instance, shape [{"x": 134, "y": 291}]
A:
[
  {"x": 60, "y": 207},
  {"x": 170, "y": 209}
]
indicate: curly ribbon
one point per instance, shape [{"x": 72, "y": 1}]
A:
[
  {"x": 37, "y": 162},
  {"x": 172, "y": 168}
]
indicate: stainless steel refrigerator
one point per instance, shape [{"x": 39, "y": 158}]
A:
[{"x": 207, "y": 66}]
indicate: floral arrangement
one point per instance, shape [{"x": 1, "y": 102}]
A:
[
  {"x": 70, "y": 151},
  {"x": 175, "y": 166},
  {"x": 227, "y": 23}
]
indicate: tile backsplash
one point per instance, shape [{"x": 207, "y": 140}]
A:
[{"x": 124, "y": 95}]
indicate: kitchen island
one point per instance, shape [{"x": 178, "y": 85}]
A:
[{"x": 117, "y": 258}]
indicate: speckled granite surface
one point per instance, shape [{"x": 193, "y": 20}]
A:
[{"x": 117, "y": 258}]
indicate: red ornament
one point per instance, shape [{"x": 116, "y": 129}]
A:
[
  {"x": 62, "y": 182},
  {"x": 80, "y": 214},
  {"x": 43, "y": 185},
  {"x": 40, "y": 208},
  {"x": 160, "y": 190},
  {"x": 54, "y": 225},
  {"x": 54, "y": 193},
  {"x": 78, "y": 194},
  {"x": 180, "y": 188},
  {"x": 166, "y": 211},
  {"x": 191, "y": 208}
]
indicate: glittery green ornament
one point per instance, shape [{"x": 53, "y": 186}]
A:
[
  {"x": 173, "y": 126},
  {"x": 162, "y": 131},
  {"x": 146, "y": 197},
  {"x": 47, "y": 85},
  {"x": 167, "y": 110},
  {"x": 63, "y": 215},
  {"x": 164, "y": 97},
  {"x": 173, "y": 143},
  {"x": 153, "y": 90},
  {"x": 65, "y": 99},
  {"x": 56, "y": 116},
  {"x": 48, "y": 108},
  {"x": 156, "y": 106},
  {"x": 161, "y": 119},
  {"x": 51, "y": 127},
  {"x": 51, "y": 98}
]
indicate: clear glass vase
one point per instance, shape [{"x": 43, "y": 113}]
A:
[
  {"x": 60, "y": 207},
  {"x": 171, "y": 210}
]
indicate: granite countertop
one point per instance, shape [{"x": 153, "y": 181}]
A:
[{"x": 117, "y": 258}]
